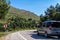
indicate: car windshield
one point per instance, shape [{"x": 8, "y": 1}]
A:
[{"x": 53, "y": 24}]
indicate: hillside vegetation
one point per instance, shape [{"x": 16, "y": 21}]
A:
[
  {"x": 23, "y": 13},
  {"x": 21, "y": 19}
]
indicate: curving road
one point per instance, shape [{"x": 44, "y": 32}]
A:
[{"x": 26, "y": 35}]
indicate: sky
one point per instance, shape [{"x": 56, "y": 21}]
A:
[{"x": 36, "y": 6}]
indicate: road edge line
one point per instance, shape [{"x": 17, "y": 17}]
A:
[{"x": 22, "y": 36}]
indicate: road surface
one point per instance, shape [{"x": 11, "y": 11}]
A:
[{"x": 26, "y": 35}]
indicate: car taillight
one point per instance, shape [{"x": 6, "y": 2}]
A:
[{"x": 50, "y": 28}]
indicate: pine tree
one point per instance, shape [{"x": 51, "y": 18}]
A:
[{"x": 4, "y": 8}]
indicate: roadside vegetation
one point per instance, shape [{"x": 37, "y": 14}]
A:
[
  {"x": 3, "y": 33},
  {"x": 13, "y": 20}
]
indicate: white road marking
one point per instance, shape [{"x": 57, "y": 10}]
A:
[{"x": 21, "y": 36}]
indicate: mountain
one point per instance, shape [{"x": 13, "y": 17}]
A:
[{"x": 23, "y": 13}]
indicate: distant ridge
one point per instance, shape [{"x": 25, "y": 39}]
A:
[{"x": 24, "y": 13}]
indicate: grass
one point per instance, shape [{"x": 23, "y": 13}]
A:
[
  {"x": 3, "y": 33},
  {"x": 17, "y": 29},
  {"x": 21, "y": 29}
]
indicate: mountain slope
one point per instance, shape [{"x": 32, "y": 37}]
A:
[{"x": 24, "y": 13}]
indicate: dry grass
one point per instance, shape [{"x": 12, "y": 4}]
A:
[{"x": 3, "y": 33}]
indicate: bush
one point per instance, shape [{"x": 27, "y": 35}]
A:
[
  {"x": 1, "y": 27},
  {"x": 16, "y": 22}
]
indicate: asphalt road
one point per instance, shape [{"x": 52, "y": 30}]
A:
[
  {"x": 27, "y": 35},
  {"x": 31, "y": 35}
]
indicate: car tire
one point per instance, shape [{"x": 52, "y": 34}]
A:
[
  {"x": 37, "y": 33},
  {"x": 46, "y": 35},
  {"x": 59, "y": 36}
]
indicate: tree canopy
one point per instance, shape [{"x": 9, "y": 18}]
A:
[
  {"x": 4, "y": 8},
  {"x": 52, "y": 13}
]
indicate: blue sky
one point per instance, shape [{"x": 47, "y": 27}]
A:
[{"x": 36, "y": 6}]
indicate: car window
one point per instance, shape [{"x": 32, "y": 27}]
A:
[
  {"x": 56, "y": 24},
  {"x": 53, "y": 24},
  {"x": 48, "y": 24}
]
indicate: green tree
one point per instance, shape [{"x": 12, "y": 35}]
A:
[
  {"x": 57, "y": 16},
  {"x": 57, "y": 7},
  {"x": 41, "y": 20},
  {"x": 50, "y": 12},
  {"x": 4, "y": 8}
]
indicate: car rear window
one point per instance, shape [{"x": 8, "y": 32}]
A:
[{"x": 53, "y": 24}]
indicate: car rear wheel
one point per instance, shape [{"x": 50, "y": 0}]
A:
[
  {"x": 46, "y": 35},
  {"x": 59, "y": 36},
  {"x": 37, "y": 33}
]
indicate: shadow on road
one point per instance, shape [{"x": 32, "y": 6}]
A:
[{"x": 41, "y": 36}]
